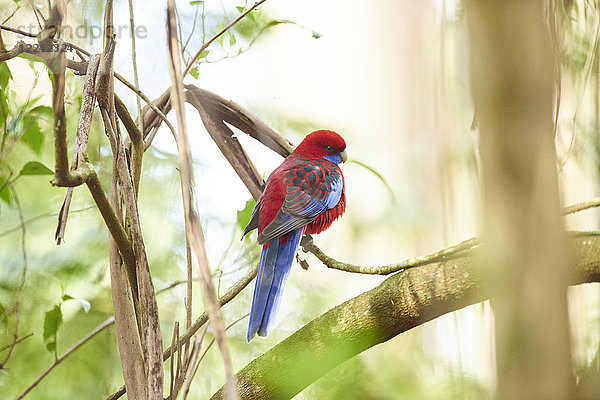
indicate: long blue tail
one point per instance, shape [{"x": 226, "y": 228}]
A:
[{"x": 274, "y": 267}]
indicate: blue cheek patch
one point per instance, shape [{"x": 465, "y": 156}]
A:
[{"x": 334, "y": 158}]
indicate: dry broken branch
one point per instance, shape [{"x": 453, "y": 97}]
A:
[{"x": 192, "y": 221}]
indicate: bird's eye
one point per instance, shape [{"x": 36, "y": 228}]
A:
[{"x": 329, "y": 148}]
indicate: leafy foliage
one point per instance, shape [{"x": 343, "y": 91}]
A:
[
  {"x": 32, "y": 135},
  {"x": 243, "y": 215},
  {"x": 35, "y": 168},
  {"x": 52, "y": 321},
  {"x": 5, "y": 191}
]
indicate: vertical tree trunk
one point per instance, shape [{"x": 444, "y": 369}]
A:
[{"x": 512, "y": 73}]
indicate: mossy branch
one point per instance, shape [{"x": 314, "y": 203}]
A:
[{"x": 403, "y": 301}]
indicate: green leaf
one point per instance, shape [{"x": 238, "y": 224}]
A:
[
  {"x": 203, "y": 54},
  {"x": 5, "y": 194},
  {"x": 274, "y": 22},
  {"x": 196, "y": 2},
  {"x": 51, "y": 346},
  {"x": 5, "y": 75},
  {"x": 43, "y": 111},
  {"x": 3, "y": 108},
  {"x": 194, "y": 72},
  {"x": 240, "y": 9},
  {"x": 243, "y": 216},
  {"x": 31, "y": 57},
  {"x": 3, "y": 317},
  {"x": 52, "y": 321},
  {"x": 84, "y": 303},
  {"x": 35, "y": 168},
  {"x": 33, "y": 136}
]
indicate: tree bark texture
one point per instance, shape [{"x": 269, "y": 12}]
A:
[{"x": 403, "y": 301}]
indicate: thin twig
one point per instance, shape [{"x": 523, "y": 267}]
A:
[
  {"x": 201, "y": 357},
  {"x": 227, "y": 328},
  {"x": 193, "y": 227},
  {"x": 136, "y": 81},
  {"x": 60, "y": 359},
  {"x": 44, "y": 215},
  {"x": 21, "y": 339},
  {"x": 137, "y": 142},
  {"x": 193, "y": 364},
  {"x": 17, "y": 8},
  {"x": 189, "y": 291},
  {"x": 172, "y": 361},
  {"x": 237, "y": 19},
  {"x": 595, "y": 202},
  {"x": 23, "y": 277},
  {"x": 17, "y": 31},
  {"x": 439, "y": 256},
  {"x": 187, "y": 41},
  {"x": 149, "y": 102}
]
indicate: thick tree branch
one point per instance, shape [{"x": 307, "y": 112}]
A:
[
  {"x": 403, "y": 301},
  {"x": 202, "y": 319},
  {"x": 229, "y": 146},
  {"x": 228, "y": 111}
]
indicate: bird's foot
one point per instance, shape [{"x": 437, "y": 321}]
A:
[{"x": 306, "y": 243}]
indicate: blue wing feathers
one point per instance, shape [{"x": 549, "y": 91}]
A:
[
  {"x": 311, "y": 188},
  {"x": 275, "y": 264}
]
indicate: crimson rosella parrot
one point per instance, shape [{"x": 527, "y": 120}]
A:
[{"x": 305, "y": 194}]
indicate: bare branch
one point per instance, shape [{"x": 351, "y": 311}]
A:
[
  {"x": 81, "y": 139},
  {"x": 136, "y": 142},
  {"x": 110, "y": 218},
  {"x": 19, "y": 340},
  {"x": 231, "y": 149},
  {"x": 193, "y": 227},
  {"x": 163, "y": 101},
  {"x": 237, "y": 19},
  {"x": 203, "y": 318},
  {"x": 136, "y": 81},
  {"x": 439, "y": 256},
  {"x": 148, "y": 308},
  {"x": 152, "y": 105},
  {"x": 15, "y": 339},
  {"x": 17, "y": 31},
  {"x": 595, "y": 202},
  {"x": 67, "y": 353}
]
